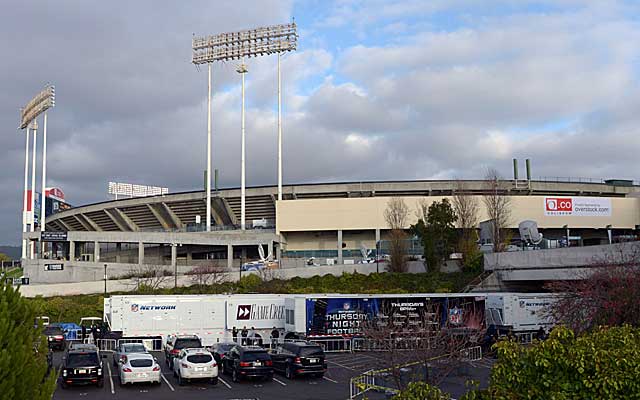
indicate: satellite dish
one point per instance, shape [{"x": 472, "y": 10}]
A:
[
  {"x": 262, "y": 256},
  {"x": 529, "y": 232},
  {"x": 364, "y": 251}
]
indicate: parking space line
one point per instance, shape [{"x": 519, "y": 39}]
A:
[
  {"x": 279, "y": 381},
  {"x": 113, "y": 390},
  {"x": 167, "y": 382},
  {"x": 329, "y": 379},
  {"x": 340, "y": 365},
  {"x": 224, "y": 383}
]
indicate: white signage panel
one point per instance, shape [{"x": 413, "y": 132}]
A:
[
  {"x": 577, "y": 206},
  {"x": 259, "y": 314}
]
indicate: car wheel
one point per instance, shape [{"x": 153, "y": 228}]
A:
[
  {"x": 63, "y": 384},
  {"x": 234, "y": 376},
  {"x": 214, "y": 381},
  {"x": 175, "y": 374},
  {"x": 268, "y": 378},
  {"x": 288, "y": 372},
  {"x": 180, "y": 380}
]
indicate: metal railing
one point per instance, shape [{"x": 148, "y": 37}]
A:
[
  {"x": 472, "y": 354},
  {"x": 361, "y": 384}
]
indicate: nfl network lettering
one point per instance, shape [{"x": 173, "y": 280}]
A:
[{"x": 137, "y": 307}]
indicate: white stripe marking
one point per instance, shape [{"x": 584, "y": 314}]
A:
[
  {"x": 279, "y": 381},
  {"x": 113, "y": 391},
  {"x": 340, "y": 365},
  {"x": 167, "y": 382},
  {"x": 329, "y": 379},
  {"x": 224, "y": 383}
]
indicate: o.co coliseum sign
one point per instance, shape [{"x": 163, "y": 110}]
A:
[{"x": 577, "y": 206}]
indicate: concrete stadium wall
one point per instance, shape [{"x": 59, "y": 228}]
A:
[
  {"x": 97, "y": 286},
  {"x": 368, "y": 213}
]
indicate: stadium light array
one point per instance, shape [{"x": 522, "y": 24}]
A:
[
  {"x": 275, "y": 39},
  {"x": 38, "y": 105}
]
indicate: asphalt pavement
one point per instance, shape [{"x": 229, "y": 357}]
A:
[{"x": 334, "y": 385}]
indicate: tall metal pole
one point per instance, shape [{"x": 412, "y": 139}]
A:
[
  {"x": 209, "y": 152},
  {"x": 44, "y": 175},
  {"x": 242, "y": 69},
  {"x": 279, "y": 132},
  {"x": 24, "y": 197},
  {"x": 33, "y": 187}
]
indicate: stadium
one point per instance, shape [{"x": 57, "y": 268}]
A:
[{"x": 335, "y": 223}]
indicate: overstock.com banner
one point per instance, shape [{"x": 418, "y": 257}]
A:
[{"x": 577, "y": 206}]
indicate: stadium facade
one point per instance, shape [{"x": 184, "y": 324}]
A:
[{"x": 327, "y": 221}]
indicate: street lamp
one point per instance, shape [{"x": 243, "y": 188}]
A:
[
  {"x": 236, "y": 46},
  {"x": 37, "y": 105}
]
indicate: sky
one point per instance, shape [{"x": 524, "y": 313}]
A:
[{"x": 377, "y": 90}]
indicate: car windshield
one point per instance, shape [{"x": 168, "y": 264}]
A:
[
  {"x": 223, "y": 348},
  {"x": 187, "y": 343},
  {"x": 75, "y": 360},
  {"x": 53, "y": 330},
  {"x": 134, "y": 348},
  {"x": 141, "y": 362},
  {"x": 256, "y": 356},
  {"x": 199, "y": 358},
  {"x": 311, "y": 351}
]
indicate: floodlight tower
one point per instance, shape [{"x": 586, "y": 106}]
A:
[
  {"x": 242, "y": 70},
  {"x": 28, "y": 119},
  {"x": 235, "y": 46}
]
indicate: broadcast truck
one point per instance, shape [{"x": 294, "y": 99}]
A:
[{"x": 210, "y": 317}]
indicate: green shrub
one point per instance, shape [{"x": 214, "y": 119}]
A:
[
  {"x": 604, "y": 364},
  {"x": 421, "y": 391}
]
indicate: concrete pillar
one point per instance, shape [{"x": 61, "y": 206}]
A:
[
  {"x": 72, "y": 250},
  {"x": 377, "y": 235},
  {"x": 174, "y": 258},
  {"x": 118, "y": 251},
  {"x": 270, "y": 248},
  {"x": 96, "y": 251},
  {"x": 279, "y": 252},
  {"x": 140, "y": 253},
  {"x": 189, "y": 256},
  {"x": 229, "y": 256},
  {"x": 340, "y": 246}
]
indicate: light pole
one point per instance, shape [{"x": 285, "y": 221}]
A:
[
  {"x": 36, "y": 106},
  {"x": 209, "y": 152},
  {"x": 279, "y": 132},
  {"x": 33, "y": 188},
  {"x": 248, "y": 43},
  {"x": 566, "y": 227},
  {"x": 105, "y": 280},
  {"x": 26, "y": 188},
  {"x": 242, "y": 70}
]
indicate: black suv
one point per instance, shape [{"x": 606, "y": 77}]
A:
[
  {"x": 299, "y": 358},
  {"x": 177, "y": 343},
  {"x": 247, "y": 362},
  {"x": 55, "y": 337},
  {"x": 82, "y": 365}
]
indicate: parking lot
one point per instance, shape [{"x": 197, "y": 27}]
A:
[{"x": 334, "y": 385}]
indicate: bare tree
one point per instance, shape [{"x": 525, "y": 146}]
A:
[
  {"x": 148, "y": 277},
  {"x": 498, "y": 206},
  {"x": 605, "y": 294},
  {"x": 418, "y": 346},
  {"x": 396, "y": 215},
  {"x": 209, "y": 274},
  {"x": 467, "y": 209}
]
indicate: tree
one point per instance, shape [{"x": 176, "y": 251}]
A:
[
  {"x": 4, "y": 257},
  {"x": 498, "y": 207},
  {"x": 209, "y": 274},
  {"x": 23, "y": 354},
  {"x": 437, "y": 230},
  {"x": 606, "y": 294},
  {"x": 603, "y": 364},
  {"x": 396, "y": 215},
  {"x": 466, "y": 208}
]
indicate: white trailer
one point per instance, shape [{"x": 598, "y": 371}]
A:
[
  {"x": 519, "y": 312},
  {"x": 211, "y": 317}
]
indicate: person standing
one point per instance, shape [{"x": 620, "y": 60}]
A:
[
  {"x": 234, "y": 334},
  {"x": 244, "y": 333},
  {"x": 275, "y": 335},
  {"x": 84, "y": 332}
]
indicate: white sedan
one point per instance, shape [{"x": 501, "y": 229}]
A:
[
  {"x": 195, "y": 364},
  {"x": 138, "y": 368}
]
